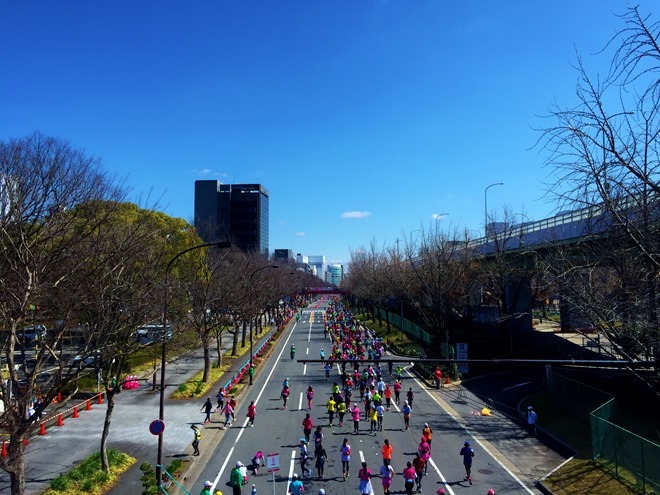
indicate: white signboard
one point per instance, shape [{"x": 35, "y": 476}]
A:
[{"x": 273, "y": 462}]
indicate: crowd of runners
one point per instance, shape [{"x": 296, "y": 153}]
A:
[{"x": 361, "y": 395}]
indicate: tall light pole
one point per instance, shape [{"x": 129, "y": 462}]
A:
[
  {"x": 163, "y": 355},
  {"x": 251, "y": 286},
  {"x": 486, "y": 206}
]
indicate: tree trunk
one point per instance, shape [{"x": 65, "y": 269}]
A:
[
  {"x": 234, "y": 344},
  {"x": 110, "y": 397},
  {"x": 244, "y": 333},
  {"x": 15, "y": 462},
  {"x": 218, "y": 345},
  {"x": 206, "y": 346}
]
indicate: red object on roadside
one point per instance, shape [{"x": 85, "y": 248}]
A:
[
  {"x": 42, "y": 431},
  {"x": 75, "y": 411},
  {"x": 88, "y": 405}
]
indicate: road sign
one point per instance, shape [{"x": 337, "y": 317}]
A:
[
  {"x": 156, "y": 427},
  {"x": 273, "y": 462},
  {"x": 462, "y": 353}
]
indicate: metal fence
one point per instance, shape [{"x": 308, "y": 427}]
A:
[
  {"x": 407, "y": 327},
  {"x": 633, "y": 459}
]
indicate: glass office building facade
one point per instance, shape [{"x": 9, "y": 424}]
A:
[{"x": 237, "y": 213}]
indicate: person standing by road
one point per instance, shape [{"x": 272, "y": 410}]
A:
[
  {"x": 208, "y": 409},
  {"x": 467, "y": 454},
  {"x": 236, "y": 479},
  {"x": 364, "y": 475},
  {"x": 437, "y": 375},
  {"x": 197, "y": 436},
  {"x": 251, "y": 413},
  {"x": 406, "y": 410},
  {"x": 345, "y": 451},
  {"x": 386, "y": 476},
  {"x": 531, "y": 420}
]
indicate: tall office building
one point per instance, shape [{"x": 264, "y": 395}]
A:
[
  {"x": 232, "y": 212},
  {"x": 334, "y": 274}
]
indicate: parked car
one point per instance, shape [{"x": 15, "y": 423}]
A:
[
  {"x": 85, "y": 361},
  {"x": 32, "y": 334},
  {"x": 149, "y": 334}
]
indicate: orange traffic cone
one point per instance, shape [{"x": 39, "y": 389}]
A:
[
  {"x": 88, "y": 405},
  {"x": 75, "y": 411},
  {"x": 42, "y": 431},
  {"x": 447, "y": 382},
  {"x": 59, "y": 396},
  {"x": 59, "y": 420},
  {"x": 4, "y": 450},
  {"x": 100, "y": 399}
]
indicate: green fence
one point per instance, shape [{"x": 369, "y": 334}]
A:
[
  {"x": 406, "y": 326},
  {"x": 628, "y": 456},
  {"x": 631, "y": 458}
]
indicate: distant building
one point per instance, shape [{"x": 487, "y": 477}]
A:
[
  {"x": 317, "y": 262},
  {"x": 334, "y": 274},
  {"x": 284, "y": 256},
  {"x": 237, "y": 213}
]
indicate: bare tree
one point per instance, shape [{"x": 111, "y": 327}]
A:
[
  {"x": 605, "y": 160},
  {"x": 43, "y": 235}
]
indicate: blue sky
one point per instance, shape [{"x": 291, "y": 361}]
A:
[{"x": 362, "y": 118}]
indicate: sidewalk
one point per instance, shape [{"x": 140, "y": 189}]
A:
[{"x": 62, "y": 448}]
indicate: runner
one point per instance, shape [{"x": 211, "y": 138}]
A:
[
  {"x": 341, "y": 411},
  {"x": 355, "y": 414},
  {"x": 427, "y": 432},
  {"x": 386, "y": 475},
  {"x": 418, "y": 464},
  {"x": 303, "y": 457},
  {"x": 296, "y": 486},
  {"x": 409, "y": 477},
  {"x": 228, "y": 411},
  {"x": 397, "y": 392},
  {"x": 388, "y": 397},
  {"x": 410, "y": 396},
  {"x": 406, "y": 410},
  {"x": 373, "y": 419},
  {"x": 380, "y": 412},
  {"x": 251, "y": 413},
  {"x": 467, "y": 454},
  {"x": 307, "y": 424},
  {"x": 332, "y": 406},
  {"x": 321, "y": 457},
  {"x": 424, "y": 450},
  {"x": 259, "y": 459},
  {"x": 327, "y": 368},
  {"x": 318, "y": 437},
  {"x": 310, "y": 397},
  {"x": 387, "y": 450},
  {"x": 285, "y": 395},
  {"x": 364, "y": 475},
  {"x": 345, "y": 451}
]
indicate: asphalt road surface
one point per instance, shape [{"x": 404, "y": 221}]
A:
[{"x": 278, "y": 431}]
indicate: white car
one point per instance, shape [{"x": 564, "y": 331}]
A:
[{"x": 81, "y": 361}]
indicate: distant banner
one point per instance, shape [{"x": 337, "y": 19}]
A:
[{"x": 325, "y": 290}]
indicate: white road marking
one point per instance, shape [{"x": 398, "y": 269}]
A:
[
  {"x": 516, "y": 385},
  {"x": 300, "y": 402},
  {"x": 447, "y": 488}
]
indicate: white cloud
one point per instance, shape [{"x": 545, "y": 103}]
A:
[
  {"x": 300, "y": 234},
  {"x": 356, "y": 214},
  {"x": 204, "y": 171}
]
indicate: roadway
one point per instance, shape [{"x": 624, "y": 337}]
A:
[{"x": 278, "y": 430}]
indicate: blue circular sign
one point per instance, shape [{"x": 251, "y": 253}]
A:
[{"x": 156, "y": 427}]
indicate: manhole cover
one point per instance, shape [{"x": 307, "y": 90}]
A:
[{"x": 485, "y": 471}]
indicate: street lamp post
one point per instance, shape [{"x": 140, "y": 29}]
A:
[
  {"x": 251, "y": 373},
  {"x": 486, "y": 206},
  {"x": 163, "y": 355}
]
